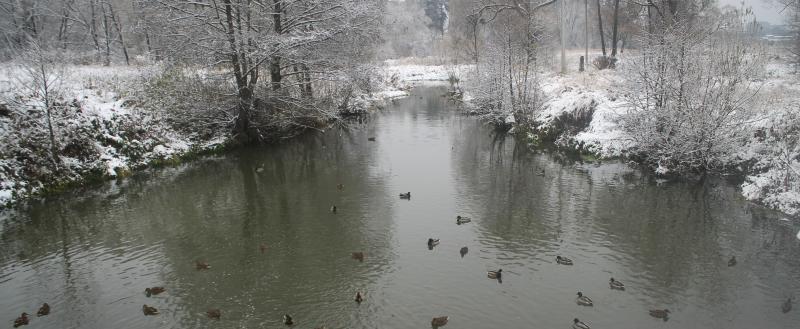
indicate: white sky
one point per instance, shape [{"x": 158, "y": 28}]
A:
[{"x": 765, "y": 10}]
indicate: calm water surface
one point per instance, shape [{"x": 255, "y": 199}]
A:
[{"x": 91, "y": 254}]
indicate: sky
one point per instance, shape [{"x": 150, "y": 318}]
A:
[{"x": 765, "y": 10}]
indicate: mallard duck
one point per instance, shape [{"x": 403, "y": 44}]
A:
[
  {"x": 583, "y": 300},
  {"x": 563, "y": 260},
  {"x": 462, "y": 220},
  {"x": 439, "y": 321},
  {"x": 153, "y": 291},
  {"x": 21, "y": 320},
  {"x": 358, "y": 256},
  {"x": 149, "y": 310},
  {"x": 371, "y": 139},
  {"x": 732, "y": 261},
  {"x": 578, "y": 324},
  {"x": 495, "y": 274},
  {"x": 661, "y": 314},
  {"x": 359, "y": 299},
  {"x": 202, "y": 265},
  {"x": 463, "y": 251},
  {"x": 333, "y": 209},
  {"x": 787, "y": 306},
  {"x": 432, "y": 242},
  {"x": 214, "y": 313},
  {"x": 287, "y": 320},
  {"x": 44, "y": 310},
  {"x": 614, "y": 284},
  {"x": 406, "y": 195},
  {"x": 262, "y": 247}
]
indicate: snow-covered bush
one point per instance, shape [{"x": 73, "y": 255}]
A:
[{"x": 691, "y": 94}]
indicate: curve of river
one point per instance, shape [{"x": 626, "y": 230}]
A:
[{"x": 90, "y": 254}]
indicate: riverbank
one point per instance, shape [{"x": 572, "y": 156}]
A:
[
  {"x": 104, "y": 132},
  {"x": 583, "y": 112}
]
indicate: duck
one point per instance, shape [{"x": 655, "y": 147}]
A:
[
  {"x": 495, "y": 274},
  {"x": 732, "y": 261},
  {"x": 44, "y": 310},
  {"x": 371, "y": 139},
  {"x": 149, "y": 310},
  {"x": 262, "y": 247},
  {"x": 614, "y": 284},
  {"x": 583, "y": 300},
  {"x": 563, "y": 260},
  {"x": 432, "y": 242},
  {"x": 359, "y": 299},
  {"x": 340, "y": 186},
  {"x": 787, "y": 306},
  {"x": 661, "y": 314},
  {"x": 439, "y": 321},
  {"x": 202, "y": 265},
  {"x": 578, "y": 324},
  {"x": 153, "y": 291},
  {"x": 333, "y": 209},
  {"x": 214, "y": 313},
  {"x": 463, "y": 251},
  {"x": 462, "y": 220},
  {"x": 358, "y": 256},
  {"x": 406, "y": 195},
  {"x": 287, "y": 320},
  {"x": 21, "y": 320}
]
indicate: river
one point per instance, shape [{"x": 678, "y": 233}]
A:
[{"x": 91, "y": 252}]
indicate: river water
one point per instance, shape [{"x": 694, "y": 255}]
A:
[{"x": 91, "y": 253}]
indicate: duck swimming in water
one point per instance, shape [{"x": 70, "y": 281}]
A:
[
  {"x": 495, "y": 274},
  {"x": 439, "y": 321},
  {"x": 661, "y": 314},
  {"x": 732, "y": 261},
  {"x": 432, "y": 242},
  {"x": 359, "y": 256},
  {"x": 214, "y": 313},
  {"x": 462, "y": 220},
  {"x": 583, "y": 300},
  {"x": 202, "y": 265},
  {"x": 359, "y": 299},
  {"x": 21, "y": 320},
  {"x": 149, "y": 310},
  {"x": 463, "y": 251},
  {"x": 153, "y": 291},
  {"x": 406, "y": 195},
  {"x": 614, "y": 284},
  {"x": 287, "y": 320},
  {"x": 563, "y": 260},
  {"x": 578, "y": 324},
  {"x": 44, "y": 310}
]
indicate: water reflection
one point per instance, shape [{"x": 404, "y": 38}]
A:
[{"x": 91, "y": 253}]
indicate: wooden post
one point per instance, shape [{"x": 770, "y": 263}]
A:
[{"x": 580, "y": 65}]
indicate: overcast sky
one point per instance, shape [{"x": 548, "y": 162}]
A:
[{"x": 766, "y": 10}]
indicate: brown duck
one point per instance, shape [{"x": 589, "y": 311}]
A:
[
  {"x": 149, "y": 310},
  {"x": 153, "y": 291},
  {"x": 439, "y": 321},
  {"x": 262, "y": 247},
  {"x": 359, "y": 298},
  {"x": 661, "y": 314},
  {"x": 359, "y": 256},
  {"x": 21, "y": 320},
  {"x": 202, "y": 265},
  {"x": 44, "y": 310},
  {"x": 214, "y": 313}
]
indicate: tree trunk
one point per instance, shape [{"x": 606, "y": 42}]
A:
[
  {"x": 614, "y": 29},
  {"x": 93, "y": 25},
  {"x": 107, "y": 33},
  {"x": 119, "y": 33},
  {"x": 241, "y": 128},
  {"x": 275, "y": 62},
  {"x": 600, "y": 23}
]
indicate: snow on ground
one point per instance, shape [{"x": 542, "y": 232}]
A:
[
  {"x": 98, "y": 131},
  {"x": 400, "y": 75}
]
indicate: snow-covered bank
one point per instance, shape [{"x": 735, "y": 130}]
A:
[
  {"x": 584, "y": 112},
  {"x": 99, "y": 132}
]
